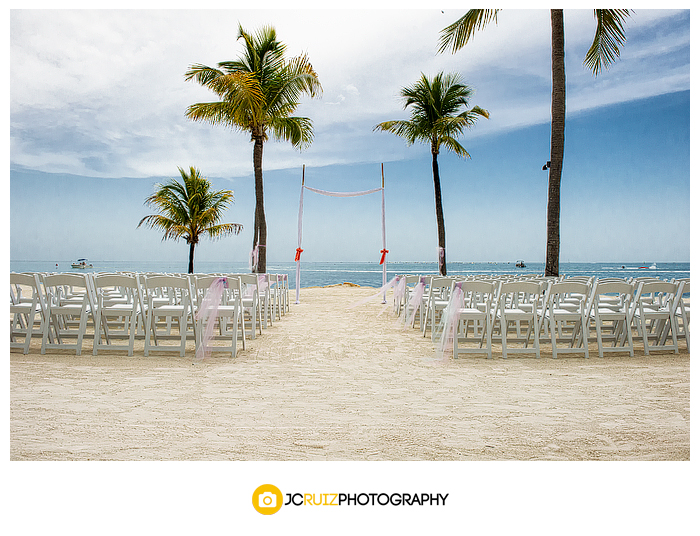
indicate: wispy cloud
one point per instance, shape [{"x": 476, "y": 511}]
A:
[{"x": 102, "y": 93}]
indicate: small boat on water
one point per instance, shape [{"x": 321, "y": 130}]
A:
[
  {"x": 652, "y": 267},
  {"x": 520, "y": 264},
  {"x": 81, "y": 263}
]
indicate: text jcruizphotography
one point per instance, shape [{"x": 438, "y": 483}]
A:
[{"x": 365, "y": 499}]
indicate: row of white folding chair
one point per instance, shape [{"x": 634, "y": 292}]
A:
[
  {"x": 683, "y": 311},
  {"x": 568, "y": 308},
  {"x": 25, "y": 310},
  {"x": 497, "y": 305},
  {"x": 101, "y": 297}
]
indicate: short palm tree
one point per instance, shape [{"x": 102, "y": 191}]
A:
[
  {"x": 258, "y": 94},
  {"x": 604, "y": 50},
  {"x": 190, "y": 209},
  {"x": 439, "y": 115}
]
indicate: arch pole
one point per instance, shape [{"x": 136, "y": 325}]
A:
[
  {"x": 299, "y": 250},
  {"x": 383, "y": 237}
]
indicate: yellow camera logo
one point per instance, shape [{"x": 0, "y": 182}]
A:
[{"x": 267, "y": 499}]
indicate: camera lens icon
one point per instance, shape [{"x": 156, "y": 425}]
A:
[{"x": 267, "y": 500}]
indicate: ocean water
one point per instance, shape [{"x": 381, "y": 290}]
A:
[{"x": 314, "y": 274}]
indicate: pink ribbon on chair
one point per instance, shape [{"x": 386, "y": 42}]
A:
[
  {"x": 449, "y": 323},
  {"x": 414, "y": 302},
  {"x": 254, "y": 258},
  {"x": 399, "y": 292},
  {"x": 208, "y": 311}
]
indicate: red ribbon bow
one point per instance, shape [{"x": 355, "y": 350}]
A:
[
  {"x": 298, "y": 256},
  {"x": 383, "y": 252}
]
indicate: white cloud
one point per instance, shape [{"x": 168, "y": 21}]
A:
[{"x": 102, "y": 92}]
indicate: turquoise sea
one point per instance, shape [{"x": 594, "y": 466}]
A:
[{"x": 370, "y": 274}]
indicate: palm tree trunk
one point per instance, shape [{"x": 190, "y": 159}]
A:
[
  {"x": 557, "y": 143},
  {"x": 442, "y": 259},
  {"x": 260, "y": 228},
  {"x": 190, "y": 268}
]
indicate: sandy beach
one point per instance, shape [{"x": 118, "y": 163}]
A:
[{"x": 332, "y": 383}]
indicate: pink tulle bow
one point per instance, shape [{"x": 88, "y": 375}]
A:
[
  {"x": 449, "y": 323},
  {"x": 208, "y": 311},
  {"x": 399, "y": 292},
  {"x": 414, "y": 303}
]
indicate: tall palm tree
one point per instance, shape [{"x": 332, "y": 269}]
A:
[
  {"x": 189, "y": 209},
  {"x": 604, "y": 50},
  {"x": 259, "y": 92},
  {"x": 438, "y": 117}
]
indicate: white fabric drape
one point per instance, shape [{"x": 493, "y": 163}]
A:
[
  {"x": 337, "y": 194},
  {"x": 342, "y": 194}
]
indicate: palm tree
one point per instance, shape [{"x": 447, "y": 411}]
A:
[
  {"x": 259, "y": 93},
  {"x": 604, "y": 50},
  {"x": 437, "y": 118},
  {"x": 189, "y": 209}
]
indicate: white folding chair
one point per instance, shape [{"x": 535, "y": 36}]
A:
[
  {"x": 477, "y": 308},
  {"x": 69, "y": 304},
  {"x": 655, "y": 307},
  {"x": 25, "y": 310},
  {"x": 402, "y": 294},
  {"x": 567, "y": 316},
  {"x": 168, "y": 297},
  {"x": 117, "y": 309},
  {"x": 519, "y": 302},
  {"x": 229, "y": 307},
  {"x": 251, "y": 303},
  {"x": 683, "y": 313},
  {"x": 416, "y": 300},
  {"x": 438, "y": 296},
  {"x": 610, "y": 312}
]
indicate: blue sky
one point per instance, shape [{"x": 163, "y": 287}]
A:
[{"x": 104, "y": 121}]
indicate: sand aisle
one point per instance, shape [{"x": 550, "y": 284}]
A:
[{"x": 328, "y": 383}]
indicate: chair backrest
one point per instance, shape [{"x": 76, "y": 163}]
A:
[
  {"x": 657, "y": 293},
  {"x": 614, "y": 287},
  {"x": 26, "y": 280},
  {"x": 175, "y": 288},
  {"x": 126, "y": 284},
  {"x": 115, "y": 280},
  {"x": 202, "y": 283},
  {"x": 576, "y": 292},
  {"x": 439, "y": 287},
  {"x": 166, "y": 281},
  {"x": 477, "y": 292},
  {"x": 516, "y": 293},
  {"x": 66, "y": 283}
]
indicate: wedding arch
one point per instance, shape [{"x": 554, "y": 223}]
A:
[{"x": 384, "y": 251}]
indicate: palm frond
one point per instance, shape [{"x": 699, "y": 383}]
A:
[
  {"x": 202, "y": 74},
  {"x": 296, "y": 130},
  {"x": 610, "y": 32},
  {"x": 457, "y": 34},
  {"x": 453, "y": 145}
]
